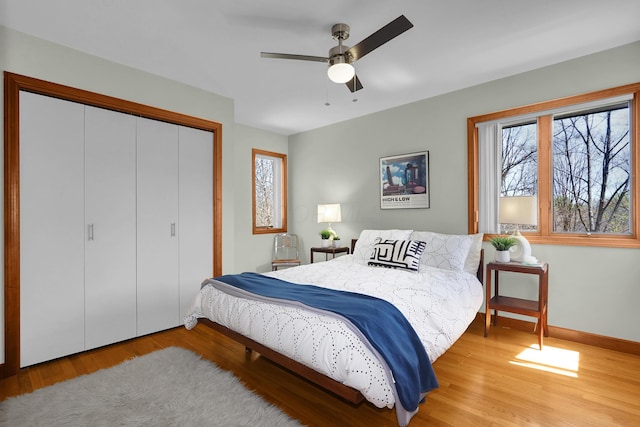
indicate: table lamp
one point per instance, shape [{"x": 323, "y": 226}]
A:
[
  {"x": 519, "y": 210},
  {"x": 329, "y": 213}
]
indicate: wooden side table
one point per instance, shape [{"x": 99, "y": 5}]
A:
[
  {"x": 327, "y": 251},
  {"x": 525, "y": 307}
]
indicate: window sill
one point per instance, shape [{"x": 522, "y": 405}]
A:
[{"x": 580, "y": 240}]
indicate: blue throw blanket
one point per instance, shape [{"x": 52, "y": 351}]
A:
[{"x": 386, "y": 328}]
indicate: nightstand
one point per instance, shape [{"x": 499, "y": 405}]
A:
[
  {"x": 327, "y": 251},
  {"x": 525, "y": 307}
]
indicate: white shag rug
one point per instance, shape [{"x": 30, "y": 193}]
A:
[{"x": 169, "y": 387}]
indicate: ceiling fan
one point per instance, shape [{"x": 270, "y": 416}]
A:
[{"x": 341, "y": 57}]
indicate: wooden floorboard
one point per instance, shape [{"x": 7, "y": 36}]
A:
[{"x": 483, "y": 381}]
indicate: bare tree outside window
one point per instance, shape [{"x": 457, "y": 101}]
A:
[
  {"x": 592, "y": 171},
  {"x": 269, "y": 192},
  {"x": 519, "y": 160},
  {"x": 264, "y": 192}
]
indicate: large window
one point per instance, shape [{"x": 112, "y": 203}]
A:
[
  {"x": 269, "y": 192},
  {"x": 578, "y": 157}
]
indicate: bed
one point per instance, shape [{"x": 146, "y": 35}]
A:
[{"x": 434, "y": 280}]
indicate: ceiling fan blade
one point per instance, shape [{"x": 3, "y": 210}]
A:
[
  {"x": 354, "y": 84},
  {"x": 292, "y": 56},
  {"x": 388, "y": 32}
]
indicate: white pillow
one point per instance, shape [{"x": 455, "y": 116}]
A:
[
  {"x": 368, "y": 238},
  {"x": 448, "y": 251},
  {"x": 472, "y": 262}
]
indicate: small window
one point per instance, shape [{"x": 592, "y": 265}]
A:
[{"x": 269, "y": 192}]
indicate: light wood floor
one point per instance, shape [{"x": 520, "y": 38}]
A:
[{"x": 483, "y": 381}]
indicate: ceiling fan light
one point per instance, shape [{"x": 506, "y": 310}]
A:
[{"x": 341, "y": 72}]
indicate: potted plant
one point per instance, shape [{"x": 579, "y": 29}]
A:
[
  {"x": 336, "y": 241},
  {"x": 325, "y": 235},
  {"x": 502, "y": 245}
]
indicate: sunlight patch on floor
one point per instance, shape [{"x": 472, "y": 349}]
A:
[{"x": 550, "y": 359}]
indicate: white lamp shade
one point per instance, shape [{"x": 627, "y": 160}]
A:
[
  {"x": 329, "y": 213},
  {"x": 520, "y": 210},
  {"x": 341, "y": 72}
]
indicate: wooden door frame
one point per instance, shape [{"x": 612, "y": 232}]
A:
[{"x": 13, "y": 84}]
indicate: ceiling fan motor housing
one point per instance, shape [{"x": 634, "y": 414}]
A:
[{"x": 338, "y": 54}]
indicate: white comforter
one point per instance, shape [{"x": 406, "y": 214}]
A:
[{"x": 439, "y": 304}]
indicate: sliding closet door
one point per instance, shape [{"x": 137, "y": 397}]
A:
[
  {"x": 158, "y": 293},
  {"x": 110, "y": 218},
  {"x": 196, "y": 213},
  {"x": 51, "y": 228}
]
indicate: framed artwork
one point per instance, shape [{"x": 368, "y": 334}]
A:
[{"x": 404, "y": 181}]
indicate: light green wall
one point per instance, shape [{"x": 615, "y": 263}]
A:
[
  {"x": 23, "y": 54},
  {"x": 593, "y": 290}
]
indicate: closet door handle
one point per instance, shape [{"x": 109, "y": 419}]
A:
[
  {"x": 173, "y": 229},
  {"x": 90, "y": 231}
]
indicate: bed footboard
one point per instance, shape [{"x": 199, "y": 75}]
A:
[{"x": 347, "y": 393}]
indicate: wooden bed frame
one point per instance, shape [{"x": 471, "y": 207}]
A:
[{"x": 349, "y": 394}]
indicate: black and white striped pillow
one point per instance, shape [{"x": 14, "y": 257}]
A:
[{"x": 401, "y": 254}]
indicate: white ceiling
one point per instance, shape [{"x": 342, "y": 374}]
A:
[{"x": 215, "y": 45}]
